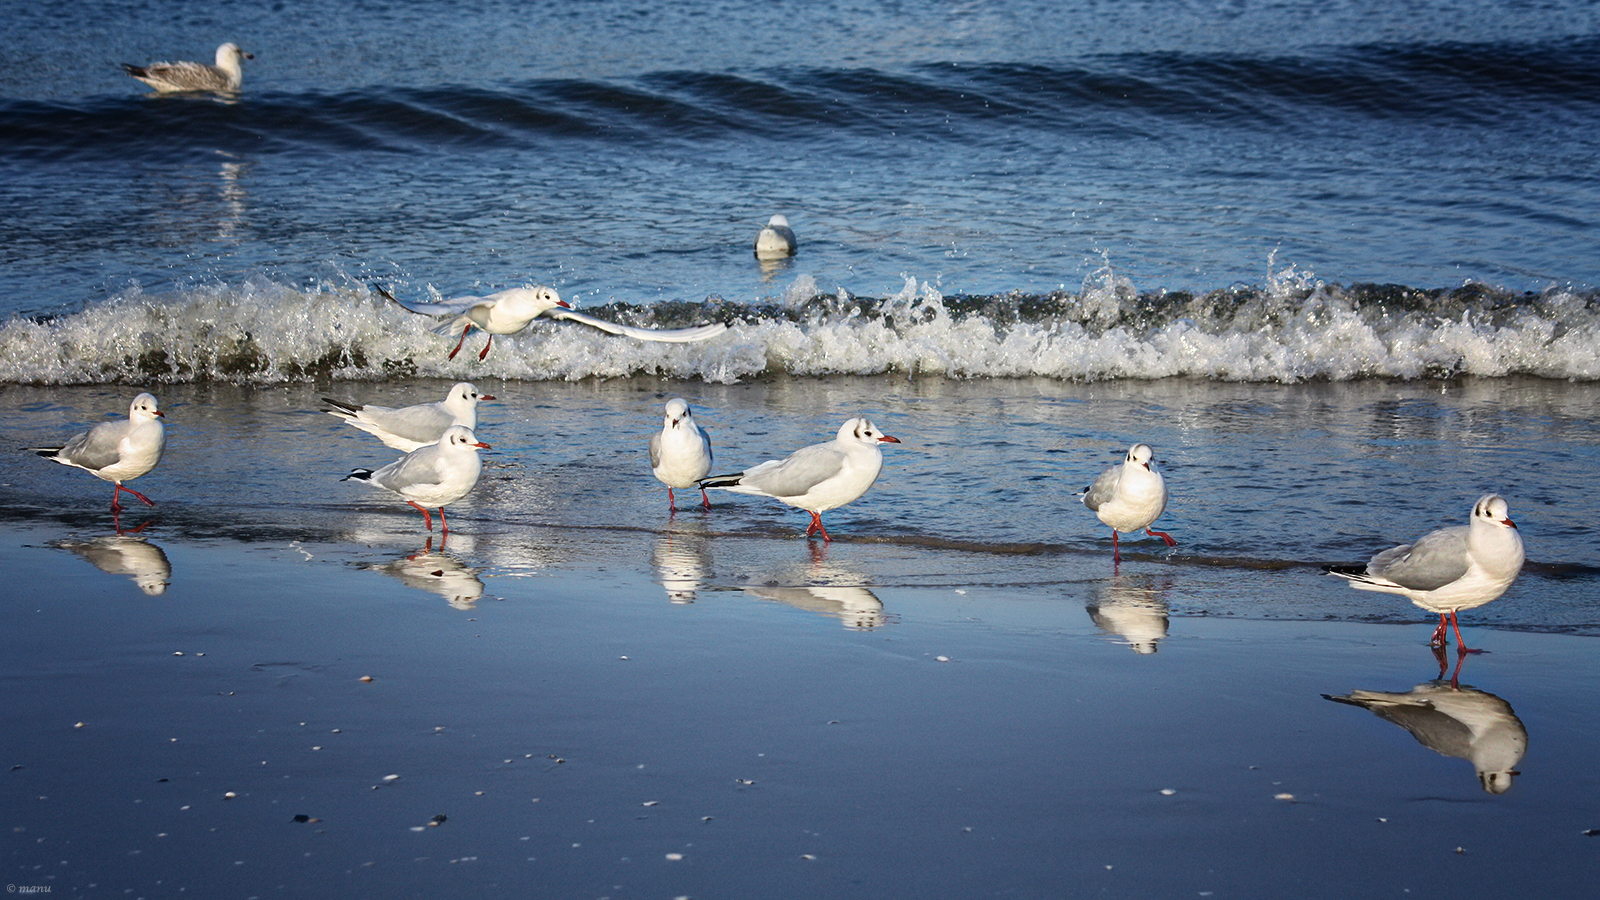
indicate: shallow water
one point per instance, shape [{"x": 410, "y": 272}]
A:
[{"x": 1266, "y": 481}]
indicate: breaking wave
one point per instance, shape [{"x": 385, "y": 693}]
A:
[{"x": 1294, "y": 328}]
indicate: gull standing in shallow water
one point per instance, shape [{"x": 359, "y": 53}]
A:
[
  {"x": 512, "y": 310},
  {"x": 819, "y": 477},
  {"x": 680, "y": 455},
  {"x": 117, "y": 451},
  {"x": 1451, "y": 569},
  {"x": 173, "y": 77},
  {"x": 432, "y": 475},
  {"x": 1130, "y": 497},
  {"x": 409, "y": 427},
  {"x": 775, "y": 240}
]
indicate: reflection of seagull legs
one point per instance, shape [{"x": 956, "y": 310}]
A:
[{"x": 1441, "y": 653}]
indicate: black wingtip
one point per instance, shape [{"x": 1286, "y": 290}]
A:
[
  {"x": 359, "y": 475},
  {"x": 1345, "y": 570},
  {"x": 717, "y": 481},
  {"x": 135, "y": 71},
  {"x": 382, "y": 292}
]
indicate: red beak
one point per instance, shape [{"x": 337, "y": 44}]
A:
[
  {"x": 485, "y": 396},
  {"x": 482, "y": 446},
  {"x": 888, "y": 439}
]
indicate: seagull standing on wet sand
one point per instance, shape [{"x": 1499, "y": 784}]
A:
[
  {"x": 432, "y": 475},
  {"x": 1451, "y": 569},
  {"x": 409, "y": 427},
  {"x": 775, "y": 240},
  {"x": 174, "y": 77},
  {"x": 680, "y": 454},
  {"x": 819, "y": 477},
  {"x": 1130, "y": 497},
  {"x": 117, "y": 451}
]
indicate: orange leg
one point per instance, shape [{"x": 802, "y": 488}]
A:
[
  {"x": 1461, "y": 646},
  {"x": 1440, "y": 637},
  {"x": 460, "y": 342},
  {"x": 116, "y": 505},
  {"x": 427, "y": 517}
]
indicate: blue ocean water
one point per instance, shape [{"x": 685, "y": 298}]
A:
[
  {"x": 1263, "y": 184},
  {"x": 1167, "y": 198}
]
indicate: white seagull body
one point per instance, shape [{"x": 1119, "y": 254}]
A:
[
  {"x": 1451, "y": 569},
  {"x": 680, "y": 454},
  {"x": 1130, "y": 497},
  {"x": 409, "y": 427},
  {"x": 512, "y": 310},
  {"x": 819, "y": 477},
  {"x": 433, "y": 475},
  {"x": 173, "y": 77},
  {"x": 775, "y": 240},
  {"x": 117, "y": 451}
]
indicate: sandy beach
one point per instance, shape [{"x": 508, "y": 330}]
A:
[{"x": 193, "y": 718}]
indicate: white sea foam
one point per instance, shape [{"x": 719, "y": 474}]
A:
[{"x": 1293, "y": 329}]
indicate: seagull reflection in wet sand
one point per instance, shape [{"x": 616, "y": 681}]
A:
[
  {"x": 1133, "y": 607},
  {"x": 1455, "y": 720},
  {"x": 437, "y": 572},
  {"x": 683, "y": 564},
  {"x": 126, "y": 554}
]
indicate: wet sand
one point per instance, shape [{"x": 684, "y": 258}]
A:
[{"x": 626, "y": 722}]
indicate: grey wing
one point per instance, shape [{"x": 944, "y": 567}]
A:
[
  {"x": 802, "y": 471},
  {"x": 455, "y": 306},
  {"x": 1435, "y": 560},
  {"x": 96, "y": 448},
  {"x": 655, "y": 450},
  {"x": 705, "y": 441},
  {"x": 1103, "y": 489},
  {"x": 423, "y": 424},
  {"x": 188, "y": 76},
  {"x": 417, "y": 467},
  {"x": 674, "y": 336}
]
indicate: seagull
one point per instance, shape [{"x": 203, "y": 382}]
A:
[
  {"x": 510, "y": 311},
  {"x": 1129, "y": 497},
  {"x": 117, "y": 451},
  {"x": 775, "y": 240},
  {"x": 819, "y": 477},
  {"x": 432, "y": 475},
  {"x": 1451, "y": 569},
  {"x": 410, "y": 427},
  {"x": 681, "y": 454},
  {"x": 173, "y": 77},
  {"x": 1458, "y": 721}
]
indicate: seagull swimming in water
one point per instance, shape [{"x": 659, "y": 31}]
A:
[
  {"x": 680, "y": 453},
  {"x": 1130, "y": 497},
  {"x": 512, "y": 310},
  {"x": 174, "y": 77},
  {"x": 1451, "y": 569},
  {"x": 819, "y": 477},
  {"x": 775, "y": 240},
  {"x": 117, "y": 451}
]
